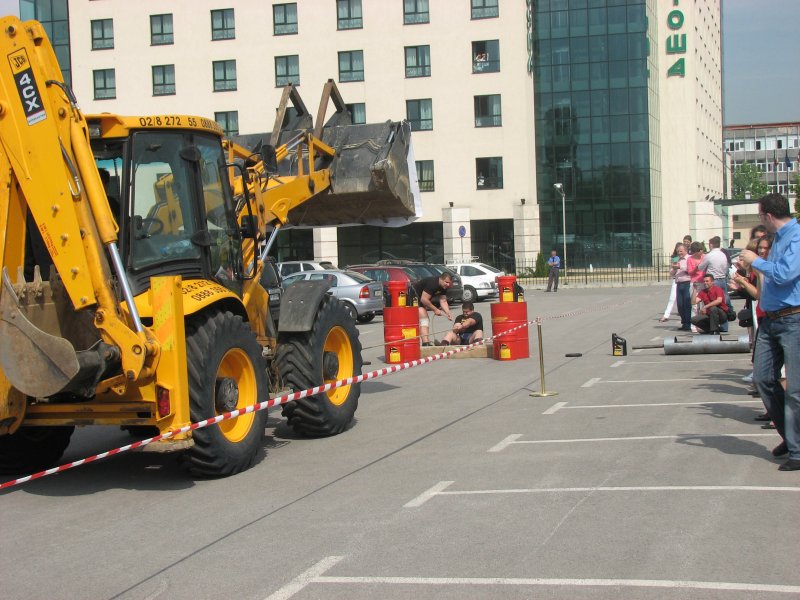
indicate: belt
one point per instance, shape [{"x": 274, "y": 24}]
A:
[{"x": 784, "y": 312}]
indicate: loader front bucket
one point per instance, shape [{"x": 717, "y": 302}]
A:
[
  {"x": 373, "y": 177},
  {"x": 36, "y": 363}
]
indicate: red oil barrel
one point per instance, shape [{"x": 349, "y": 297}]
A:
[
  {"x": 397, "y": 295},
  {"x": 401, "y": 333},
  {"x": 506, "y": 316},
  {"x": 505, "y": 285}
]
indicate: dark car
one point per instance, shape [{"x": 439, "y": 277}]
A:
[
  {"x": 271, "y": 281},
  {"x": 423, "y": 269}
]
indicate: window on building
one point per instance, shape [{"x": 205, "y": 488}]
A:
[
  {"x": 351, "y": 65},
  {"x": 224, "y": 75},
  {"x": 484, "y": 9},
  {"x": 348, "y": 14},
  {"x": 489, "y": 173},
  {"x": 53, "y": 15},
  {"x": 105, "y": 84},
  {"x": 758, "y": 145},
  {"x": 780, "y": 143},
  {"x": 418, "y": 61},
  {"x": 425, "y": 175},
  {"x": 287, "y": 70},
  {"x": 420, "y": 114},
  {"x": 415, "y": 11},
  {"x": 284, "y": 18},
  {"x": 163, "y": 80},
  {"x": 486, "y": 56},
  {"x": 487, "y": 111},
  {"x": 229, "y": 121},
  {"x": 161, "y": 30},
  {"x": 222, "y": 24},
  {"x": 102, "y": 34},
  {"x": 358, "y": 113},
  {"x": 792, "y": 142}
]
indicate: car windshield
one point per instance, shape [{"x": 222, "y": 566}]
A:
[
  {"x": 489, "y": 268},
  {"x": 423, "y": 271},
  {"x": 287, "y": 281},
  {"x": 269, "y": 277}
]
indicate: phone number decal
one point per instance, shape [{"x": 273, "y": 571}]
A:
[
  {"x": 199, "y": 290},
  {"x": 178, "y": 121}
]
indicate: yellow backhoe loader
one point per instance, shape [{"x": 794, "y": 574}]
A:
[{"x": 131, "y": 252}]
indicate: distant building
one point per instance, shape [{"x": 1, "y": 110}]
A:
[{"x": 772, "y": 147}]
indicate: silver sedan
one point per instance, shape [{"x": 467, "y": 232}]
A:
[{"x": 362, "y": 296}]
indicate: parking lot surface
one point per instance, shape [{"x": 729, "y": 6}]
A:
[{"x": 645, "y": 477}]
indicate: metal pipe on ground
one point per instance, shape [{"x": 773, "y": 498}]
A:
[{"x": 702, "y": 344}]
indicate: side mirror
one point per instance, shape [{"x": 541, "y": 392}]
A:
[{"x": 270, "y": 158}]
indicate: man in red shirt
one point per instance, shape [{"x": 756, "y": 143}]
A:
[{"x": 714, "y": 310}]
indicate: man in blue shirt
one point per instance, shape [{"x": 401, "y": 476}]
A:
[
  {"x": 554, "y": 264},
  {"x": 779, "y": 333}
]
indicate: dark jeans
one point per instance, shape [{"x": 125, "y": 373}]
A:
[
  {"x": 552, "y": 280},
  {"x": 710, "y": 322},
  {"x": 723, "y": 284},
  {"x": 779, "y": 345},
  {"x": 684, "y": 299}
]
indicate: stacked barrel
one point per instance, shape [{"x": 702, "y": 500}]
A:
[
  {"x": 400, "y": 325},
  {"x": 511, "y": 312}
]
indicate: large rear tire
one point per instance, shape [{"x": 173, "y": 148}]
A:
[
  {"x": 329, "y": 352},
  {"x": 226, "y": 372},
  {"x": 33, "y": 449}
]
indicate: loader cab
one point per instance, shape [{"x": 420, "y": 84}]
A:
[{"x": 177, "y": 214}]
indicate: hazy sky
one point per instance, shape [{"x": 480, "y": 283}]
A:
[{"x": 759, "y": 46}]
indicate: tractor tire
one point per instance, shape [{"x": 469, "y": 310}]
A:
[
  {"x": 226, "y": 372},
  {"x": 32, "y": 449},
  {"x": 469, "y": 294},
  {"x": 329, "y": 352}
]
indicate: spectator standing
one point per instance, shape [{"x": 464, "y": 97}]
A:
[
  {"x": 683, "y": 289},
  {"x": 713, "y": 311},
  {"x": 428, "y": 289},
  {"x": 673, "y": 289},
  {"x": 554, "y": 264},
  {"x": 779, "y": 335}
]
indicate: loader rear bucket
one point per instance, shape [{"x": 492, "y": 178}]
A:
[
  {"x": 373, "y": 179},
  {"x": 36, "y": 363}
]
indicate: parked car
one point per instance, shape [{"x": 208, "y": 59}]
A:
[
  {"x": 384, "y": 274},
  {"x": 271, "y": 281},
  {"x": 423, "y": 269},
  {"x": 479, "y": 280},
  {"x": 296, "y": 266},
  {"x": 362, "y": 296}
]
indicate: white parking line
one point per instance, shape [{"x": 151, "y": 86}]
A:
[
  {"x": 302, "y": 580},
  {"x": 556, "y": 407},
  {"x": 514, "y": 439},
  {"x": 531, "y": 582},
  {"x": 427, "y": 495},
  {"x": 506, "y": 442},
  {"x": 315, "y": 575},
  {"x": 694, "y": 361},
  {"x": 617, "y": 364},
  {"x": 701, "y": 403},
  {"x": 439, "y": 490},
  {"x": 591, "y": 382}
]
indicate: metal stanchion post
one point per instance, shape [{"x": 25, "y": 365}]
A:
[{"x": 543, "y": 393}]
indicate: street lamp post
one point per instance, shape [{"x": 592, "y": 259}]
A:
[{"x": 559, "y": 187}]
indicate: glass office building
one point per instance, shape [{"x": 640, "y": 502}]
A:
[{"x": 596, "y": 127}]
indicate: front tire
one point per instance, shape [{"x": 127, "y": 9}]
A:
[
  {"x": 366, "y": 318},
  {"x": 469, "y": 294},
  {"x": 226, "y": 372},
  {"x": 351, "y": 310},
  {"x": 329, "y": 352},
  {"x": 33, "y": 449}
]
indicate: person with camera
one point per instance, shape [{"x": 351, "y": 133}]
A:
[{"x": 779, "y": 334}]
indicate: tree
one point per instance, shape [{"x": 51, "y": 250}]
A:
[{"x": 747, "y": 177}]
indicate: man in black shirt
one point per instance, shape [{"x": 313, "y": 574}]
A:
[
  {"x": 468, "y": 327},
  {"x": 427, "y": 289}
]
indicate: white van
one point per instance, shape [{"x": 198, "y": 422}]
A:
[{"x": 478, "y": 280}]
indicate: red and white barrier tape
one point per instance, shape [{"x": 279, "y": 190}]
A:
[{"x": 254, "y": 408}]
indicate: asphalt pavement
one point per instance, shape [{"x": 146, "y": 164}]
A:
[{"x": 644, "y": 477}]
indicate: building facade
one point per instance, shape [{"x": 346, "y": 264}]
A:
[
  {"x": 774, "y": 149},
  {"x": 617, "y": 100}
]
